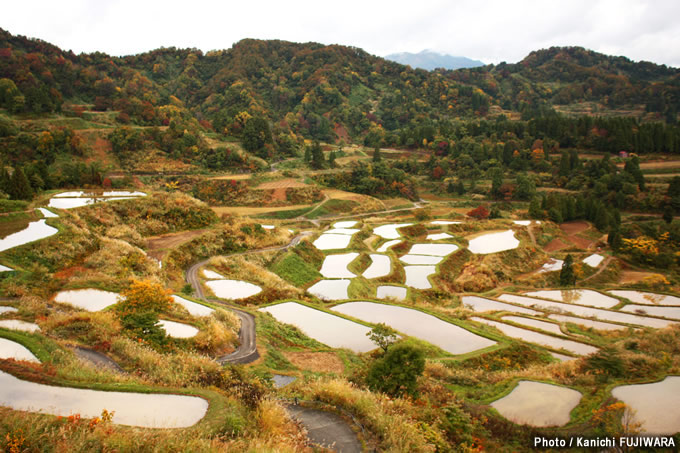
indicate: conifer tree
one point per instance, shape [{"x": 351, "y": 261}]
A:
[
  {"x": 20, "y": 188},
  {"x": 567, "y": 276}
]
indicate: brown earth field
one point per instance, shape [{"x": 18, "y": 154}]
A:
[
  {"x": 629, "y": 277},
  {"x": 158, "y": 246},
  {"x": 576, "y": 227},
  {"x": 234, "y": 177},
  {"x": 555, "y": 245},
  {"x": 321, "y": 362},
  {"x": 248, "y": 210},
  {"x": 282, "y": 184}
]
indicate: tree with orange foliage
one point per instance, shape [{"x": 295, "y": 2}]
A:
[
  {"x": 479, "y": 213},
  {"x": 138, "y": 310}
]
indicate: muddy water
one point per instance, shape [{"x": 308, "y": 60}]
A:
[
  {"x": 332, "y": 330},
  {"x": 33, "y": 232},
  {"x": 380, "y": 266},
  {"x": 577, "y": 296},
  {"x": 233, "y": 289},
  {"x": 538, "y": 404},
  {"x": 587, "y": 312},
  {"x": 481, "y": 304},
  {"x": 13, "y": 350},
  {"x": 493, "y": 242},
  {"x": 335, "y": 266},
  {"x": 449, "y": 337},
  {"x": 640, "y": 297},
  {"x": 655, "y": 405},
  {"x": 88, "y": 299},
  {"x": 330, "y": 289}
]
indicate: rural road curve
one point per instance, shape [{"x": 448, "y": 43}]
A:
[
  {"x": 326, "y": 429},
  {"x": 247, "y": 350}
]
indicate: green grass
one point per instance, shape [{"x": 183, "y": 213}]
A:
[
  {"x": 13, "y": 205},
  {"x": 295, "y": 270},
  {"x": 332, "y": 207},
  {"x": 282, "y": 215}
]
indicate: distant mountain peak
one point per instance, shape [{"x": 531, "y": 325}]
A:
[{"x": 431, "y": 59}]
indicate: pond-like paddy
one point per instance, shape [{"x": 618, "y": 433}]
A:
[
  {"x": 47, "y": 213},
  {"x": 587, "y": 312},
  {"x": 177, "y": 329},
  {"x": 345, "y": 224},
  {"x": 551, "y": 266},
  {"x": 380, "y": 266},
  {"x": 598, "y": 325},
  {"x": 480, "y": 304},
  {"x": 538, "y": 338},
  {"x": 233, "y": 289},
  {"x": 267, "y": 227},
  {"x": 535, "y": 323},
  {"x": 522, "y": 222},
  {"x": 16, "y": 324},
  {"x": 449, "y": 337},
  {"x": 212, "y": 275},
  {"x": 33, "y": 232},
  {"x": 281, "y": 380},
  {"x": 393, "y": 292},
  {"x": 664, "y": 312},
  {"x": 332, "y": 241},
  {"x": 538, "y": 404},
  {"x": 328, "y": 329},
  {"x": 194, "y": 309},
  {"x": 134, "y": 409},
  {"x": 493, "y": 242},
  {"x": 433, "y": 249},
  {"x": 88, "y": 299},
  {"x": 335, "y": 266},
  {"x": 416, "y": 276},
  {"x": 349, "y": 231},
  {"x": 13, "y": 350},
  {"x": 71, "y": 203},
  {"x": 5, "y": 268},
  {"x": 4, "y": 310},
  {"x": 421, "y": 259},
  {"x": 577, "y": 296},
  {"x": 438, "y": 236},
  {"x": 390, "y": 231},
  {"x": 330, "y": 289},
  {"x": 640, "y": 297},
  {"x": 593, "y": 260},
  {"x": 655, "y": 405},
  {"x": 383, "y": 248}
]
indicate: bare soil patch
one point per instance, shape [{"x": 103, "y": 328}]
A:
[
  {"x": 629, "y": 277},
  {"x": 248, "y": 210},
  {"x": 581, "y": 242},
  {"x": 159, "y": 245},
  {"x": 554, "y": 246},
  {"x": 576, "y": 227},
  {"x": 321, "y": 362},
  {"x": 238, "y": 176}
]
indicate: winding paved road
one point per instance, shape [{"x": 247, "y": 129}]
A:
[{"x": 247, "y": 350}]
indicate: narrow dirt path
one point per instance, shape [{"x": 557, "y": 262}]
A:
[
  {"x": 326, "y": 429},
  {"x": 603, "y": 266},
  {"x": 247, "y": 350}
]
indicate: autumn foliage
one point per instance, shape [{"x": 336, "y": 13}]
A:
[
  {"x": 479, "y": 213},
  {"x": 145, "y": 296}
]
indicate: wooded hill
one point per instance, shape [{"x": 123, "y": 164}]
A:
[{"x": 321, "y": 92}]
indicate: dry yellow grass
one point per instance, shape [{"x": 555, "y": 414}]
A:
[
  {"x": 247, "y": 210},
  {"x": 238, "y": 176},
  {"x": 320, "y": 362}
]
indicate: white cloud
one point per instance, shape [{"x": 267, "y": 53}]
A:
[{"x": 489, "y": 30}]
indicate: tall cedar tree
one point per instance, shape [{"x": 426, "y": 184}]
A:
[
  {"x": 567, "y": 276},
  {"x": 20, "y": 188}
]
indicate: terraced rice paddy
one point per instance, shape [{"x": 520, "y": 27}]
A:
[
  {"x": 15, "y": 324},
  {"x": 381, "y": 266},
  {"x": 330, "y": 289},
  {"x": 335, "y": 266},
  {"x": 447, "y": 336},
  {"x": 33, "y": 232},
  {"x": 493, "y": 242},
  {"x": 655, "y": 405},
  {"x": 390, "y": 231},
  {"x": 577, "y": 296},
  {"x": 391, "y": 292},
  {"x": 538, "y": 338},
  {"x": 538, "y": 404},
  {"x": 134, "y": 409},
  {"x": 233, "y": 289},
  {"x": 480, "y": 304},
  {"x": 177, "y": 329},
  {"x": 331, "y": 330},
  {"x": 194, "y": 309},
  {"x": 640, "y": 297},
  {"x": 13, "y": 350},
  {"x": 88, "y": 299}
]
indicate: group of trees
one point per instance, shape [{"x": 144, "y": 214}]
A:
[{"x": 380, "y": 179}]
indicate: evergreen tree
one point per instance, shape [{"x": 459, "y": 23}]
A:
[
  {"x": 397, "y": 372},
  {"x": 20, "y": 188},
  {"x": 535, "y": 211},
  {"x": 376, "y": 154},
  {"x": 601, "y": 220},
  {"x": 668, "y": 214},
  {"x": 308, "y": 154},
  {"x": 331, "y": 159},
  {"x": 460, "y": 188},
  {"x": 614, "y": 237},
  {"x": 567, "y": 276},
  {"x": 317, "y": 156}
]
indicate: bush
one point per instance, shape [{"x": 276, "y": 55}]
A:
[{"x": 398, "y": 371}]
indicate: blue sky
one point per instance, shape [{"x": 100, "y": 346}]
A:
[{"x": 488, "y": 30}]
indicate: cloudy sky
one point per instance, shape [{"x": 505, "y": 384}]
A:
[{"x": 488, "y": 30}]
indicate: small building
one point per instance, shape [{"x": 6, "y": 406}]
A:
[{"x": 623, "y": 154}]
